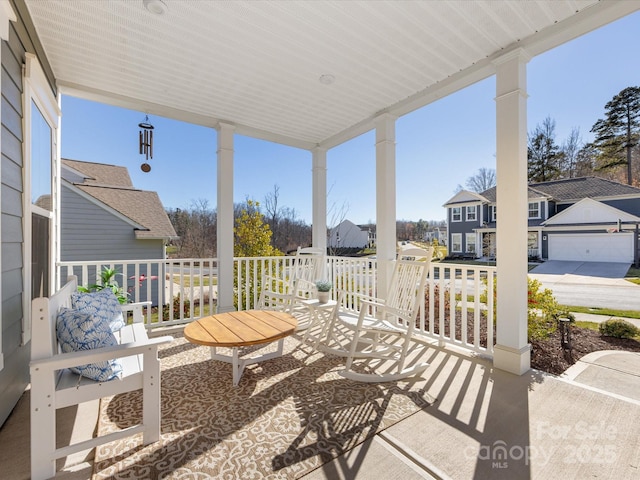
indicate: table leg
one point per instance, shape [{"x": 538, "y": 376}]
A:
[{"x": 238, "y": 364}]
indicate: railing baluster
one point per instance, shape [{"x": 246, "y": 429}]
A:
[{"x": 351, "y": 275}]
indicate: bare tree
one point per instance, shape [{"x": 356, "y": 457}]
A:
[
  {"x": 571, "y": 148},
  {"x": 272, "y": 213},
  {"x": 196, "y": 228},
  {"x": 481, "y": 181}
]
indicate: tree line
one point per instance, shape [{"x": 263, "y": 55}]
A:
[
  {"x": 196, "y": 227},
  {"x": 260, "y": 230},
  {"x": 614, "y": 152}
]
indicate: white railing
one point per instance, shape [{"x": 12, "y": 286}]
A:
[
  {"x": 458, "y": 308},
  {"x": 180, "y": 290}
]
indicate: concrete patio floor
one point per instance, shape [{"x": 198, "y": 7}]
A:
[{"x": 484, "y": 424}]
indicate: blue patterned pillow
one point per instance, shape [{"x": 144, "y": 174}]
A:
[
  {"x": 79, "y": 331},
  {"x": 103, "y": 305}
]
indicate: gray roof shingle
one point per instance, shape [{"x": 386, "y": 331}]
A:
[
  {"x": 574, "y": 189},
  {"x": 111, "y": 185}
]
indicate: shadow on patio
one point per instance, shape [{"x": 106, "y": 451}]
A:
[{"x": 296, "y": 417}]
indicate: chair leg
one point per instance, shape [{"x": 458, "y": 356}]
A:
[
  {"x": 151, "y": 415},
  {"x": 43, "y": 425}
]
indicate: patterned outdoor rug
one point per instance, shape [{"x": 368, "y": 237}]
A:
[{"x": 287, "y": 417}]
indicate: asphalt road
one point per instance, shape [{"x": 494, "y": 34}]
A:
[{"x": 589, "y": 284}]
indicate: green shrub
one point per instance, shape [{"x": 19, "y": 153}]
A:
[
  {"x": 543, "y": 310},
  {"x": 186, "y": 309},
  {"x": 107, "y": 280},
  {"x": 618, "y": 328}
]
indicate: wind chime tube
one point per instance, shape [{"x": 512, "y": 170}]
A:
[{"x": 146, "y": 143}]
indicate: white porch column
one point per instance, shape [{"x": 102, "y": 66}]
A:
[
  {"x": 225, "y": 217},
  {"x": 319, "y": 192},
  {"x": 512, "y": 352},
  {"x": 385, "y": 199}
]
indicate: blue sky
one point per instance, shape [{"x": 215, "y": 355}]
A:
[{"x": 438, "y": 146}]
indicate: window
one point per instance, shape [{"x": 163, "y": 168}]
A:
[
  {"x": 456, "y": 242},
  {"x": 494, "y": 215},
  {"x": 534, "y": 209},
  {"x": 41, "y": 114},
  {"x": 470, "y": 239},
  {"x": 456, "y": 214},
  {"x": 471, "y": 214}
]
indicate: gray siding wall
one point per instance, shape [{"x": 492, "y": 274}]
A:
[
  {"x": 15, "y": 375},
  {"x": 629, "y": 205},
  {"x": 463, "y": 226},
  {"x": 89, "y": 232}
]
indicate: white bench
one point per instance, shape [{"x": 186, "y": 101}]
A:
[{"x": 54, "y": 386}]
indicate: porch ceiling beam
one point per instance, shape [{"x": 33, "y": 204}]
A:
[{"x": 115, "y": 99}]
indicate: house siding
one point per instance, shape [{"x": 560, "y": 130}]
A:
[
  {"x": 629, "y": 205},
  {"x": 14, "y": 377},
  {"x": 108, "y": 238},
  {"x": 463, "y": 227}
]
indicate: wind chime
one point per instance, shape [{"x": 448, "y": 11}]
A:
[{"x": 146, "y": 143}]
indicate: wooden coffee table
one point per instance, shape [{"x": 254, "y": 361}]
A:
[{"x": 241, "y": 329}]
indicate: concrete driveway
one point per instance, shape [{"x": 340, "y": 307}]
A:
[
  {"x": 583, "y": 269},
  {"x": 589, "y": 284}
]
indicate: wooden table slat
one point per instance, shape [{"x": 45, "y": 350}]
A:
[{"x": 244, "y": 328}]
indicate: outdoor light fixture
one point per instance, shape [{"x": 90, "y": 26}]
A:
[
  {"x": 146, "y": 142},
  {"x": 157, "y": 7}
]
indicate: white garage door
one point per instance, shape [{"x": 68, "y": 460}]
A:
[{"x": 593, "y": 247}]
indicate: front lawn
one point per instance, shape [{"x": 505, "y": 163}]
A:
[
  {"x": 611, "y": 312},
  {"x": 633, "y": 275}
]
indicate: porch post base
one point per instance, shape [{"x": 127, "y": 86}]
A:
[
  {"x": 512, "y": 360},
  {"x": 225, "y": 308}
]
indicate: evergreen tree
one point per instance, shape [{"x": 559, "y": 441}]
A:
[
  {"x": 617, "y": 134},
  {"x": 544, "y": 156}
]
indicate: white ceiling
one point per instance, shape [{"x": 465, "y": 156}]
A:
[{"x": 257, "y": 64}]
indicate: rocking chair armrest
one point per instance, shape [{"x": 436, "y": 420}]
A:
[
  {"x": 383, "y": 309},
  {"x": 362, "y": 297}
]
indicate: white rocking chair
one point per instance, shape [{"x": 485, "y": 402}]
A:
[
  {"x": 383, "y": 329},
  {"x": 285, "y": 293}
]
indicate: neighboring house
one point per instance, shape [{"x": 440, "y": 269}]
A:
[
  {"x": 582, "y": 219},
  {"x": 438, "y": 233},
  {"x": 104, "y": 217},
  {"x": 349, "y": 235}
]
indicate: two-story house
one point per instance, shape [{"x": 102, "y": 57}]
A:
[
  {"x": 582, "y": 219},
  {"x": 349, "y": 235}
]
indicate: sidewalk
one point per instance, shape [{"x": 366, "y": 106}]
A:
[{"x": 592, "y": 317}]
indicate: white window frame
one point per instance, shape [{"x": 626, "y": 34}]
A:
[
  {"x": 475, "y": 213},
  {"x": 453, "y": 214},
  {"x": 529, "y": 210},
  {"x": 473, "y": 238},
  {"x": 38, "y": 92},
  {"x": 453, "y": 242}
]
